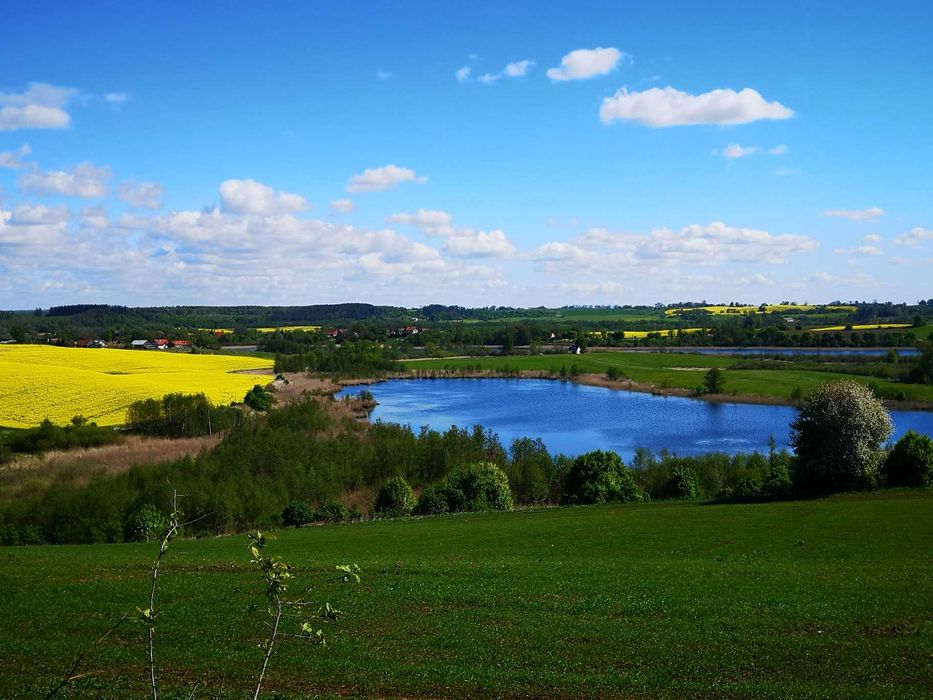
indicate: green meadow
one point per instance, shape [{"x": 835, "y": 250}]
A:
[
  {"x": 681, "y": 370},
  {"x": 824, "y": 598}
]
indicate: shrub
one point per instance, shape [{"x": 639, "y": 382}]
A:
[
  {"x": 258, "y": 398},
  {"x": 714, "y": 381},
  {"x": 432, "y": 502},
  {"x": 599, "y": 477},
  {"x": 777, "y": 483},
  {"x": 683, "y": 483},
  {"x": 395, "y": 498},
  {"x": 838, "y": 436},
  {"x": 479, "y": 486},
  {"x": 475, "y": 487},
  {"x": 297, "y": 513},
  {"x": 332, "y": 512},
  {"x": 148, "y": 523},
  {"x": 31, "y": 535},
  {"x": 910, "y": 463}
]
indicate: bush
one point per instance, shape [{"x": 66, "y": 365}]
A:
[
  {"x": 258, "y": 398},
  {"x": 148, "y": 523},
  {"x": 297, "y": 513},
  {"x": 395, "y": 498},
  {"x": 433, "y": 501},
  {"x": 31, "y": 535},
  {"x": 683, "y": 484},
  {"x": 479, "y": 486},
  {"x": 838, "y": 436},
  {"x": 599, "y": 477},
  {"x": 910, "y": 463},
  {"x": 475, "y": 487},
  {"x": 332, "y": 512}
]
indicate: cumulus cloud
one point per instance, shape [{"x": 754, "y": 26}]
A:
[
  {"x": 95, "y": 217},
  {"x": 710, "y": 244},
  {"x": 142, "y": 195},
  {"x": 587, "y": 63},
  {"x": 488, "y": 78},
  {"x": 84, "y": 180},
  {"x": 915, "y": 237},
  {"x": 14, "y": 159},
  {"x": 251, "y": 197},
  {"x": 31, "y": 214},
  {"x": 116, "y": 98},
  {"x": 657, "y": 107},
  {"x": 855, "y": 214},
  {"x": 463, "y": 74},
  {"x": 342, "y": 206},
  {"x": 431, "y": 222},
  {"x": 518, "y": 68},
  {"x": 383, "y": 178},
  {"x": 872, "y": 238},
  {"x": 39, "y": 106},
  {"x": 462, "y": 242},
  {"x": 467, "y": 243}
]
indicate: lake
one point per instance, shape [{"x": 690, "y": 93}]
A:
[
  {"x": 574, "y": 418},
  {"x": 802, "y": 352}
]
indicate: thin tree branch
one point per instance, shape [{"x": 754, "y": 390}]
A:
[
  {"x": 73, "y": 671},
  {"x": 269, "y": 643}
]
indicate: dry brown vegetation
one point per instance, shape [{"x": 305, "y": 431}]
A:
[{"x": 28, "y": 472}]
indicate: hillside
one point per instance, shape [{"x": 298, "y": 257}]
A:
[{"x": 825, "y": 598}]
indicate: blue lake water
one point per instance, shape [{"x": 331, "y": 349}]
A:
[
  {"x": 803, "y": 352},
  {"x": 573, "y": 418}
]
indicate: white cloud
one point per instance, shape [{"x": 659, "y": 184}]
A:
[
  {"x": 467, "y": 243},
  {"x": 518, "y": 68},
  {"x": 657, "y": 107},
  {"x": 779, "y": 150},
  {"x": 710, "y": 244},
  {"x": 14, "y": 159},
  {"x": 868, "y": 250},
  {"x": 383, "y": 74},
  {"x": 383, "y": 178},
  {"x": 734, "y": 150},
  {"x": 95, "y": 217},
  {"x": 343, "y": 206},
  {"x": 84, "y": 180},
  {"x": 40, "y": 106},
  {"x": 488, "y": 78},
  {"x": 786, "y": 172},
  {"x": 463, "y": 242},
  {"x": 915, "y": 237},
  {"x": 251, "y": 197},
  {"x": 32, "y": 214},
  {"x": 855, "y": 214},
  {"x": 872, "y": 238},
  {"x": 143, "y": 195},
  {"x": 587, "y": 63},
  {"x": 463, "y": 74},
  {"x": 116, "y": 97},
  {"x": 431, "y": 222}
]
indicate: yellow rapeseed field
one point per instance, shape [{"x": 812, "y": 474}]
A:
[
  {"x": 671, "y": 332},
  {"x": 40, "y": 381},
  {"x": 270, "y": 329},
  {"x": 863, "y": 327}
]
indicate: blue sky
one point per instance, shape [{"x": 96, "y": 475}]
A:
[{"x": 503, "y": 153}]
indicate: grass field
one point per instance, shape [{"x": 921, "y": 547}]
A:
[
  {"x": 769, "y": 308},
  {"x": 39, "y": 381},
  {"x": 667, "y": 370},
  {"x": 827, "y": 598}
]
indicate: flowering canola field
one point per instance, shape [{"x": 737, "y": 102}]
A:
[{"x": 40, "y": 381}]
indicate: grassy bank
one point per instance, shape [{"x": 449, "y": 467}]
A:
[
  {"x": 828, "y": 598},
  {"x": 680, "y": 370}
]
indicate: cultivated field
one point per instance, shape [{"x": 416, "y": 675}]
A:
[
  {"x": 679, "y": 370},
  {"x": 829, "y": 598},
  {"x": 769, "y": 308},
  {"x": 38, "y": 381},
  {"x": 863, "y": 327}
]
